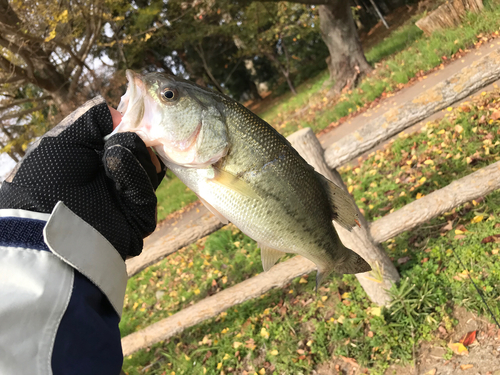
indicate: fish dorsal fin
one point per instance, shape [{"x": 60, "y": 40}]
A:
[
  {"x": 343, "y": 206},
  {"x": 216, "y": 213},
  {"x": 269, "y": 256},
  {"x": 233, "y": 182}
]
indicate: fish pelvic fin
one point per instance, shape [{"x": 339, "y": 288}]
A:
[
  {"x": 353, "y": 263},
  {"x": 343, "y": 206},
  {"x": 269, "y": 256}
]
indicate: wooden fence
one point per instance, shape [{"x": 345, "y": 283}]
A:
[{"x": 364, "y": 240}]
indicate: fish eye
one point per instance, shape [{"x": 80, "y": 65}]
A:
[{"x": 169, "y": 94}]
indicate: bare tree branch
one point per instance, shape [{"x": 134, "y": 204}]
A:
[
  {"x": 22, "y": 113},
  {"x": 25, "y": 55},
  {"x": 27, "y": 100},
  {"x": 11, "y": 68},
  {"x": 12, "y": 79},
  {"x": 306, "y": 2}
]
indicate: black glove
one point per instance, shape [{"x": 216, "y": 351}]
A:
[{"x": 111, "y": 185}]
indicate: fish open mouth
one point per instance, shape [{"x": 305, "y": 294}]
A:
[
  {"x": 132, "y": 107},
  {"x": 133, "y": 93}
]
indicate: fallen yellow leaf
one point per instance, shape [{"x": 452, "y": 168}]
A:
[
  {"x": 375, "y": 311},
  {"x": 477, "y": 219},
  {"x": 458, "y": 348},
  {"x": 274, "y": 352},
  {"x": 264, "y": 333}
]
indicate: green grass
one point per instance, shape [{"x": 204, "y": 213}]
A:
[
  {"x": 398, "y": 58},
  {"x": 172, "y": 195},
  {"x": 292, "y": 330}
]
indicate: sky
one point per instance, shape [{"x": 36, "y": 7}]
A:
[{"x": 6, "y": 165}]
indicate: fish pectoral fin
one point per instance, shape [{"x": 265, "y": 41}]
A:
[
  {"x": 216, "y": 213},
  {"x": 343, "y": 206},
  {"x": 269, "y": 256},
  {"x": 233, "y": 182},
  {"x": 352, "y": 263}
]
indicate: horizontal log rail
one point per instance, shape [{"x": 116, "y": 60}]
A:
[
  {"x": 167, "y": 245},
  {"x": 210, "y": 307},
  {"x": 473, "y": 186},
  {"x": 460, "y": 85}
]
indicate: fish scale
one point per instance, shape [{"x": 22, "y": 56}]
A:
[{"x": 259, "y": 182}]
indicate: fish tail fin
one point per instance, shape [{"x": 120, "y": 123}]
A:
[{"x": 353, "y": 263}]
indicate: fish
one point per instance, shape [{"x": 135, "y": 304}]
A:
[{"x": 243, "y": 170}]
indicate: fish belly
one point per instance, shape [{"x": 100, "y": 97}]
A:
[{"x": 279, "y": 220}]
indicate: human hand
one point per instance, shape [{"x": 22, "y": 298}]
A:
[{"x": 110, "y": 185}]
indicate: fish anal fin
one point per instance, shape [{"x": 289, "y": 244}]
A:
[
  {"x": 233, "y": 182},
  {"x": 269, "y": 256},
  {"x": 343, "y": 206},
  {"x": 216, "y": 213},
  {"x": 321, "y": 275}
]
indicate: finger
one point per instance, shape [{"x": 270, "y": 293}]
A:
[
  {"x": 134, "y": 188},
  {"x": 115, "y": 116},
  {"x": 155, "y": 160},
  {"x": 135, "y": 144}
]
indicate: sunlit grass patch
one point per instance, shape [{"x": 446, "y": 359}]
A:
[{"x": 172, "y": 195}]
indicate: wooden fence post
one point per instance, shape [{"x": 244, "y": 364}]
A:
[{"x": 384, "y": 274}]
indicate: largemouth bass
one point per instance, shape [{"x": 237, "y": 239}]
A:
[{"x": 243, "y": 170}]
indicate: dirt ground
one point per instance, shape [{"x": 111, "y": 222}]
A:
[{"x": 483, "y": 357}]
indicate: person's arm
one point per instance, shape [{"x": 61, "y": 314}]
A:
[{"x": 70, "y": 213}]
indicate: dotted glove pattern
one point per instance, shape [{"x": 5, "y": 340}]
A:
[{"x": 111, "y": 185}]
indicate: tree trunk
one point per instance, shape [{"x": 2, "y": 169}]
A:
[
  {"x": 254, "y": 91},
  {"x": 383, "y": 274},
  {"x": 283, "y": 70},
  {"x": 347, "y": 61},
  {"x": 64, "y": 100}
]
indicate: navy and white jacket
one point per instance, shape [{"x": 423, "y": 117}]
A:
[{"x": 62, "y": 286}]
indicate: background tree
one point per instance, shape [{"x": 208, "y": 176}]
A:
[
  {"x": 286, "y": 34},
  {"x": 43, "y": 51},
  {"x": 347, "y": 61}
]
